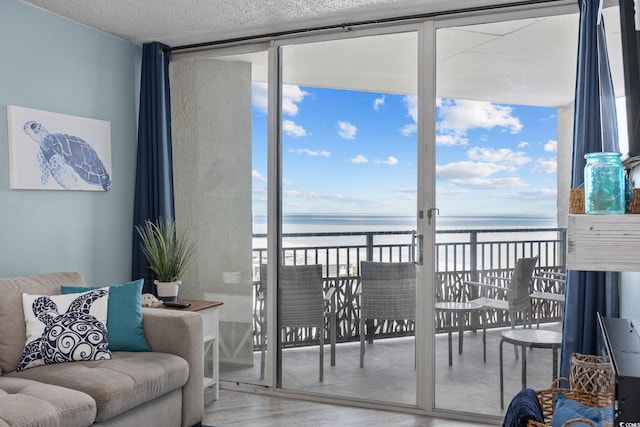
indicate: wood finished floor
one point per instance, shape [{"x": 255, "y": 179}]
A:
[{"x": 239, "y": 409}]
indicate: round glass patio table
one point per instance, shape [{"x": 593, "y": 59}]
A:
[
  {"x": 533, "y": 338},
  {"x": 459, "y": 310}
]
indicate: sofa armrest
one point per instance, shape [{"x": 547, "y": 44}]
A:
[{"x": 180, "y": 333}]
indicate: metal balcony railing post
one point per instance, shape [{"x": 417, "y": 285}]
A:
[
  {"x": 474, "y": 276},
  {"x": 369, "y": 258},
  {"x": 473, "y": 255}
]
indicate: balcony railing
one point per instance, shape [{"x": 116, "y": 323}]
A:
[{"x": 461, "y": 255}]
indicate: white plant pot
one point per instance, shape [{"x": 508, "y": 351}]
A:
[{"x": 167, "y": 291}]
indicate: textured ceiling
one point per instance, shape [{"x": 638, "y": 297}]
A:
[
  {"x": 181, "y": 22},
  {"x": 530, "y": 61}
]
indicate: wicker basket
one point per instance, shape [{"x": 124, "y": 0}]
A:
[
  {"x": 592, "y": 374},
  {"x": 547, "y": 399},
  {"x": 576, "y": 201},
  {"x": 634, "y": 206}
]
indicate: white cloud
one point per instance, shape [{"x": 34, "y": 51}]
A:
[
  {"x": 310, "y": 153},
  {"x": 468, "y": 169},
  {"x": 403, "y": 189},
  {"x": 457, "y": 117},
  {"x": 492, "y": 183},
  {"x": 313, "y": 196},
  {"x": 551, "y": 146},
  {"x": 390, "y": 161},
  {"x": 477, "y": 174},
  {"x": 259, "y": 96},
  {"x": 462, "y": 115},
  {"x": 542, "y": 193},
  {"x": 291, "y": 96},
  {"x": 359, "y": 159},
  {"x": 258, "y": 176},
  {"x": 378, "y": 102},
  {"x": 547, "y": 166},
  {"x": 291, "y": 128},
  {"x": 346, "y": 130},
  {"x": 502, "y": 155},
  {"x": 409, "y": 129},
  {"x": 451, "y": 139},
  {"x": 451, "y": 194},
  {"x": 523, "y": 144},
  {"x": 411, "y": 102}
]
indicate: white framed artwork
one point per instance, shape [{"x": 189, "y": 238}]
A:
[{"x": 52, "y": 151}]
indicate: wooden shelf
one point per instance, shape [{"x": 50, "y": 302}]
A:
[{"x": 603, "y": 242}]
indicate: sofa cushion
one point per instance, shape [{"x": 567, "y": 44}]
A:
[
  {"x": 124, "y": 321},
  {"x": 65, "y": 328},
  {"x": 13, "y": 332},
  {"x": 24, "y": 402},
  {"x": 128, "y": 380}
]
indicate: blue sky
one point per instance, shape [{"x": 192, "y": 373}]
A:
[{"x": 355, "y": 152}]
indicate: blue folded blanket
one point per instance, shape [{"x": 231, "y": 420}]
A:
[{"x": 524, "y": 406}]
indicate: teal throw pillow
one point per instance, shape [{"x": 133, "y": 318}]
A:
[
  {"x": 124, "y": 315},
  {"x": 566, "y": 409}
]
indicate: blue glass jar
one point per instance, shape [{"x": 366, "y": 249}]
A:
[{"x": 604, "y": 192}]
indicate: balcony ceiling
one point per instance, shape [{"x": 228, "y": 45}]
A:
[{"x": 529, "y": 61}]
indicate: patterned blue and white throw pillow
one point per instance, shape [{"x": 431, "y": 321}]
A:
[{"x": 65, "y": 328}]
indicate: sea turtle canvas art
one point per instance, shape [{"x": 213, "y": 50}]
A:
[
  {"x": 67, "y": 158},
  {"x": 61, "y": 152}
]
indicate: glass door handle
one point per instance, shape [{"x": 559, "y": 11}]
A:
[
  {"x": 430, "y": 213},
  {"x": 420, "y": 247}
]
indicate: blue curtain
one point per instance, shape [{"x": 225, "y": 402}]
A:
[
  {"x": 587, "y": 292},
  {"x": 154, "y": 170}
]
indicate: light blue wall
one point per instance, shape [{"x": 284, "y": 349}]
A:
[{"x": 50, "y": 63}]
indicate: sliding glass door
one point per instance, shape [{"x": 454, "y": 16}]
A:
[
  {"x": 500, "y": 118},
  {"x": 432, "y": 145},
  {"x": 348, "y": 196}
]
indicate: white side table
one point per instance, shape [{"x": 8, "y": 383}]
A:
[
  {"x": 533, "y": 338},
  {"x": 460, "y": 310},
  {"x": 209, "y": 312}
]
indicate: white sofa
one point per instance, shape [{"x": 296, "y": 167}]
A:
[{"x": 158, "y": 388}]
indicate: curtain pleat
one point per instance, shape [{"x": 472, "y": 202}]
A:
[
  {"x": 154, "y": 170},
  {"x": 595, "y": 129}
]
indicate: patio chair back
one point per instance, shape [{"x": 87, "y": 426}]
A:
[
  {"x": 302, "y": 304},
  {"x": 519, "y": 287},
  {"x": 302, "y": 297},
  {"x": 388, "y": 292}
]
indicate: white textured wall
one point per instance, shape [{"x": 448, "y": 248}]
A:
[
  {"x": 565, "y": 155},
  {"x": 211, "y": 131},
  {"x": 630, "y": 297}
]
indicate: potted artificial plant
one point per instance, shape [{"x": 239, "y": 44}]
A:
[{"x": 168, "y": 252}]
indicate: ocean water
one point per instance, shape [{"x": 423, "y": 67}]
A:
[
  {"x": 495, "y": 236},
  {"x": 321, "y": 223}
]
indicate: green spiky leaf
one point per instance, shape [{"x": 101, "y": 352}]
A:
[{"x": 168, "y": 251}]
